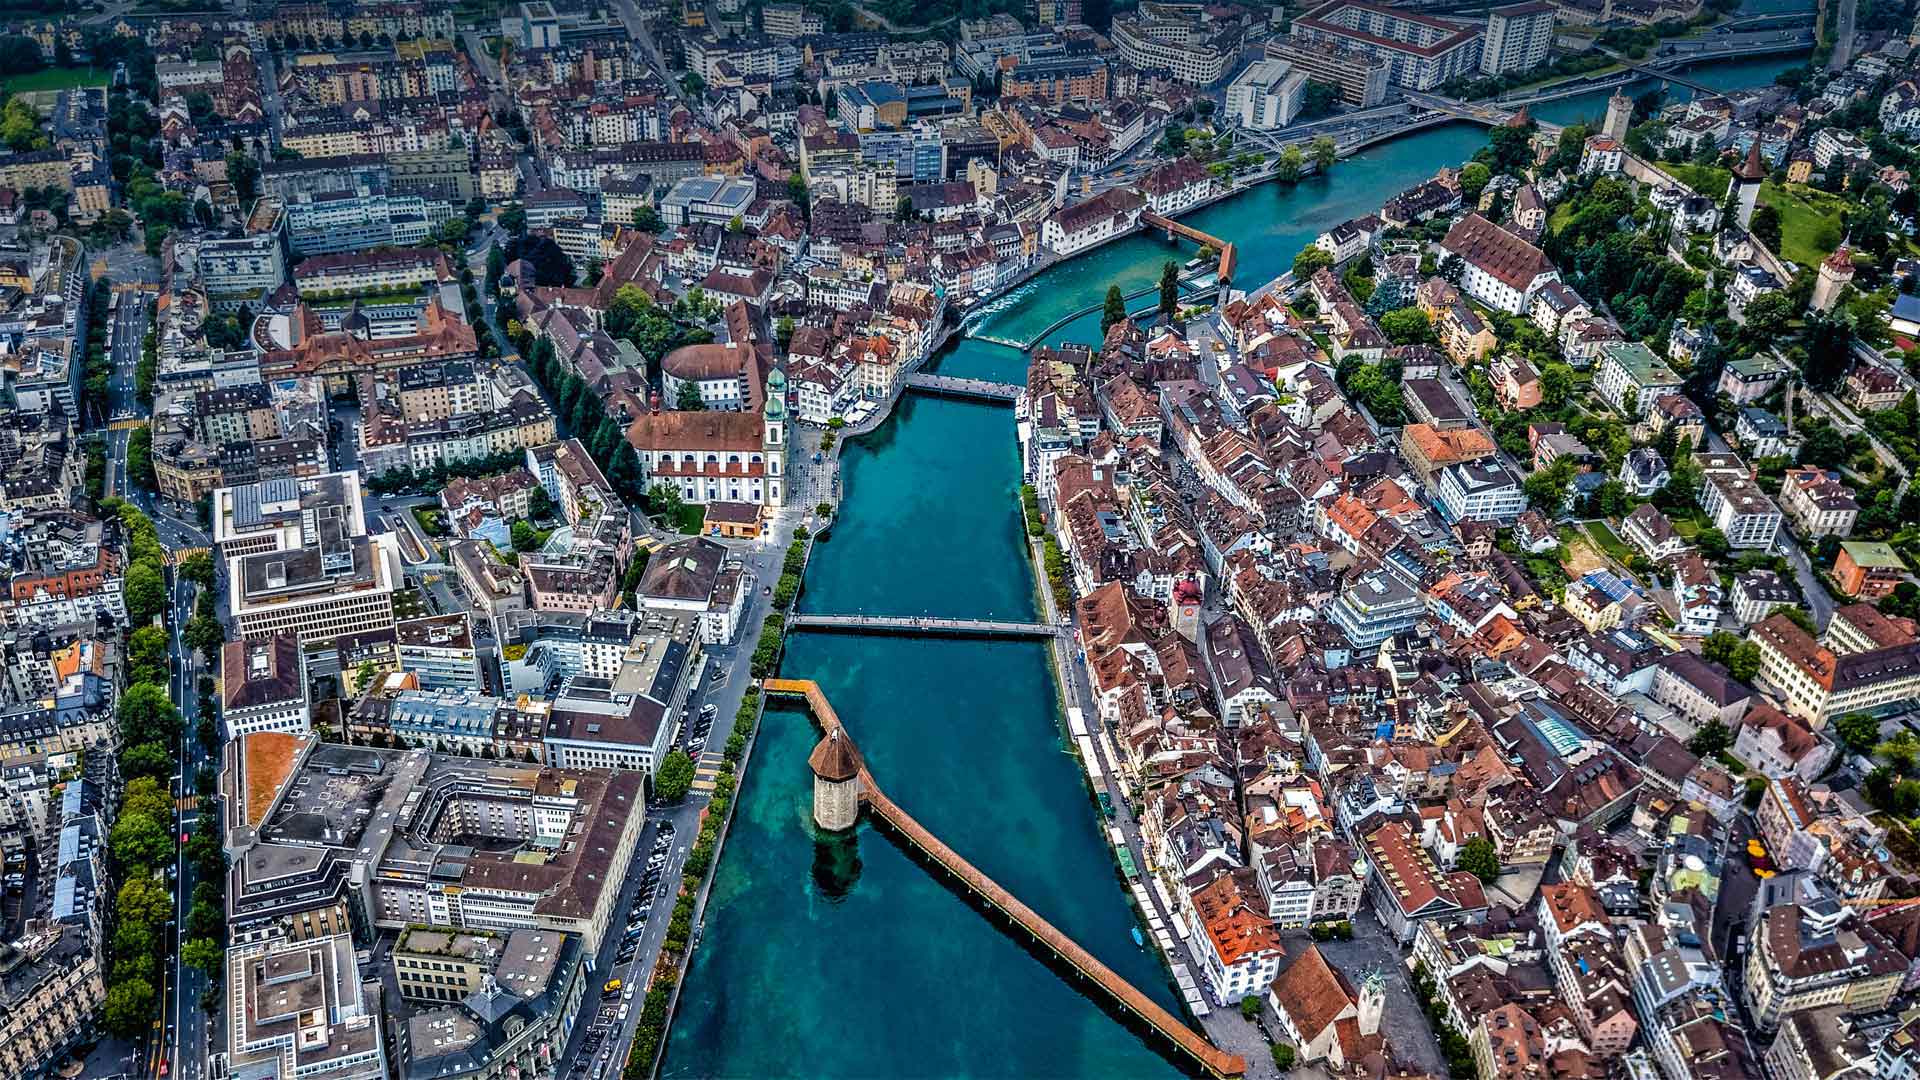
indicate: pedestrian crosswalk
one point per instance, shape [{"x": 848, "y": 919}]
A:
[{"x": 707, "y": 770}]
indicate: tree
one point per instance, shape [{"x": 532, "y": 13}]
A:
[
  {"x": 1310, "y": 260},
  {"x": 1858, "y": 731},
  {"x": 1288, "y": 167},
  {"x": 797, "y": 191},
  {"x": 1408, "y": 326},
  {"x": 1323, "y": 151},
  {"x": 204, "y": 635},
  {"x": 1767, "y": 316},
  {"x": 1713, "y": 544},
  {"x": 205, "y": 954},
  {"x": 1473, "y": 180},
  {"x": 129, "y": 1006},
  {"x": 1900, "y": 752},
  {"x": 20, "y": 125},
  {"x": 146, "y": 594},
  {"x": 1250, "y": 1006},
  {"x": 146, "y": 715},
  {"x": 1903, "y": 601},
  {"x": 1478, "y": 857},
  {"x": 1765, "y": 226},
  {"x": 1283, "y": 1055},
  {"x": 139, "y": 840},
  {"x": 1797, "y": 616},
  {"x": 146, "y": 759},
  {"x": 197, "y": 568},
  {"x": 688, "y": 398},
  {"x": 147, "y": 655},
  {"x": 674, "y": 778},
  {"x": 1718, "y": 647},
  {"x": 1712, "y": 738},
  {"x": 243, "y": 172},
  {"x": 1115, "y": 311},
  {"x": 1546, "y": 489},
  {"x": 1169, "y": 289},
  {"x": 1745, "y": 663},
  {"x": 524, "y": 538}
]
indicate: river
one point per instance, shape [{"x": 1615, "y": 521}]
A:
[{"x": 847, "y": 959}]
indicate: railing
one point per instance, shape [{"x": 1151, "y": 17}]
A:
[
  {"x": 1214, "y": 1060},
  {"x": 923, "y": 624}
]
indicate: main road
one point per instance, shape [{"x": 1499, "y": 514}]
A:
[{"x": 193, "y": 1032}]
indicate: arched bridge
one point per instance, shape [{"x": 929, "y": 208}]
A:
[{"x": 1215, "y": 1061}]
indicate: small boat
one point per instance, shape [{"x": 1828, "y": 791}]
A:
[{"x": 1138, "y": 941}]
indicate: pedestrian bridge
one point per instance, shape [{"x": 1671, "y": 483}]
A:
[
  {"x": 1229, "y": 254},
  {"x": 1215, "y": 1061},
  {"x": 975, "y": 389},
  {"x": 922, "y": 624}
]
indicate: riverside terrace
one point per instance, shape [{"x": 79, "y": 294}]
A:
[{"x": 407, "y": 836}]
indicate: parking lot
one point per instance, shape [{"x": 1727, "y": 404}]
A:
[{"x": 603, "y": 1040}]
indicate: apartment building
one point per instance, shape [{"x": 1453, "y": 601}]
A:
[
  {"x": 273, "y": 1020},
  {"x": 1518, "y": 37},
  {"x": 1482, "y": 490},
  {"x": 1818, "y": 503},
  {"x": 1375, "y": 608},
  {"x": 1179, "y": 39},
  {"x": 353, "y": 272},
  {"x": 1424, "y": 51},
  {"x": 1868, "y": 569},
  {"x": 1503, "y": 270},
  {"x": 1740, "y": 509}
]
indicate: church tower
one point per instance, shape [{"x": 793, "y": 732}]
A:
[
  {"x": 1373, "y": 1000},
  {"x": 773, "y": 437}
]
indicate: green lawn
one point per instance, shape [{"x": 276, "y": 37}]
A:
[
  {"x": 1810, "y": 225},
  {"x": 1561, "y": 215},
  {"x": 53, "y": 79},
  {"x": 1708, "y": 180},
  {"x": 1604, "y": 536}
]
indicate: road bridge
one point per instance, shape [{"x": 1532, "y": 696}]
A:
[
  {"x": 1042, "y": 934},
  {"x": 973, "y": 389},
  {"x": 1480, "y": 112},
  {"x": 1680, "y": 53},
  {"x": 922, "y": 624}
]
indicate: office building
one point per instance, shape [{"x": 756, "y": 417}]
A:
[
  {"x": 310, "y": 823},
  {"x": 263, "y": 686},
  {"x": 1267, "y": 95},
  {"x": 299, "y": 1008}
]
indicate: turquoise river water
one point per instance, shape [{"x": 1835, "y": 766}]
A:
[{"x": 845, "y": 958}]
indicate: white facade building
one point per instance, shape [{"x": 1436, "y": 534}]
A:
[{"x": 1267, "y": 95}]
